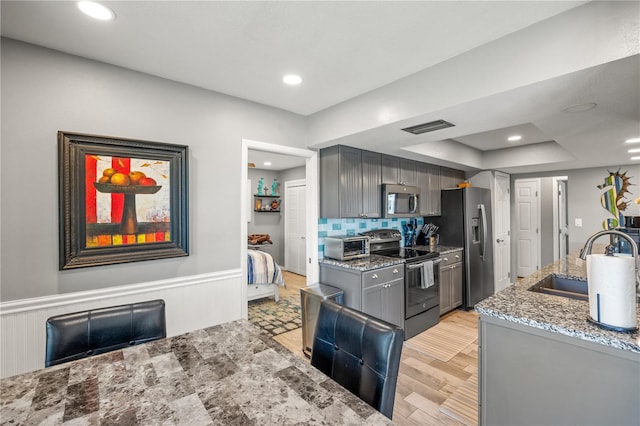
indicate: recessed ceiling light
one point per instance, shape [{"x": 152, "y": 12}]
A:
[
  {"x": 635, "y": 158},
  {"x": 634, "y": 150},
  {"x": 632, "y": 140},
  {"x": 267, "y": 163},
  {"x": 514, "y": 138},
  {"x": 96, "y": 10},
  {"x": 580, "y": 107},
  {"x": 292, "y": 79}
]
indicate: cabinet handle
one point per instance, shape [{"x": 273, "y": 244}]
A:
[
  {"x": 395, "y": 271},
  {"x": 374, "y": 276},
  {"x": 457, "y": 256},
  {"x": 446, "y": 259}
]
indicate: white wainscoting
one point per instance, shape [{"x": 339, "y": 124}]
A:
[{"x": 192, "y": 303}]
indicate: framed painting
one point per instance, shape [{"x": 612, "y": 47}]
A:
[{"x": 121, "y": 200}]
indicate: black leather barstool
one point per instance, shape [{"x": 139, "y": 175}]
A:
[
  {"x": 360, "y": 352},
  {"x": 82, "y": 334}
]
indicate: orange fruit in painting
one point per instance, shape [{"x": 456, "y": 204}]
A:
[
  {"x": 120, "y": 179},
  {"x": 108, "y": 172},
  {"x": 148, "y": 181},
  {"x": 104, "y": 179},
  {"x": 135, "y": 177}
]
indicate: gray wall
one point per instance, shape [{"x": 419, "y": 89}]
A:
[
  {"x": 546, "y": 221},
  {"x": 44, "y": 91},
  {"x": 583, "y": 197}
]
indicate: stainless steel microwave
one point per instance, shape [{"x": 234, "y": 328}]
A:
[
  {"x": 346, "y": 247},
  {"x": 401, "y": 201}
]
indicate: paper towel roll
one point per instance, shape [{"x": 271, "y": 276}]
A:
[{"x": 614, "y": 279}]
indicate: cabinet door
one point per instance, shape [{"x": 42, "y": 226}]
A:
[
  {"x": 371, "y": 178},
  {"x": 372, "y": 300},
  {"x": 456, "y": 285},
  {"x": 450, "y": 178},
  {"x": 393, "y": 302},
  {"x": 350, "y": 189},
  {"x": 390, "y": 169},
  {"x": 408, "y": 174},
  {"x": 445, "y": 289},
  {"x": 433, "y": 199}
]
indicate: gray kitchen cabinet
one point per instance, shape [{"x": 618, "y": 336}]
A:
[
  {"x": 451, "y": 281},
  {"x": 560, "y": 379},
  {"x": 428, "y": 176},
  {"x": 349, "y": 183},
  {"x": 390, "y": 169},
  {"x": 408, "y": 173},
  {"x": 378, "y": 292},
  {"x": 396, "y": 170},
  {"x": 450, "y": 178}
]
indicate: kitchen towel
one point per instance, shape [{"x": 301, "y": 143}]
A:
[
  {"x": 426, "y": 272},
  {"x": 614, "y": 279}
]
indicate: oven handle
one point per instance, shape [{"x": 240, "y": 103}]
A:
[{"x": 419, "y": 265}]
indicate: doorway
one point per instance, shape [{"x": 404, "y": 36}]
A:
[{"x": 311, "y": 209}]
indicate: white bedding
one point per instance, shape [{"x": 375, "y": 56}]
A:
[{"x": 262, "y": 269}]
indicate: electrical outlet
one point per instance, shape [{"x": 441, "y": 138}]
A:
[{"x": 578, "y": 222}]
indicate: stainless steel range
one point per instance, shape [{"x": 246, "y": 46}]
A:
[{"x": 421, "y": 279}]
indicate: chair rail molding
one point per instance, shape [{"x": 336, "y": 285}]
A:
[{"x": 192, "y": 303}]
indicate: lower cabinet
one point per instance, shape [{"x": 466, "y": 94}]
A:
[
  {"x": 451, "y": 281},
  {"x": 378, "y": 292}
]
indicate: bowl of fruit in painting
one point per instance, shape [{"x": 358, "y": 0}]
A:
[{"x": 135, "y": 182}]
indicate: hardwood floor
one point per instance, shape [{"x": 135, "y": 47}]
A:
[{"x": 429, "y": 391}]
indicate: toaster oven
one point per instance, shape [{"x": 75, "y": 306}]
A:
[{"x": 346, "y": 247}]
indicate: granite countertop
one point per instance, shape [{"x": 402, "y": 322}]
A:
[
  {"x": 375, "y": 261},
  {"x": 554, "y": 313},
  {"x": 440, "y": 249},
  {"x": 227, "y": 374}
]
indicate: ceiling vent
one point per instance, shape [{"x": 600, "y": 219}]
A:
[{"x": 432, "y": 126}]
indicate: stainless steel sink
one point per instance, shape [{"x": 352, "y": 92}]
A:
[{"x": 562, "y": 286}]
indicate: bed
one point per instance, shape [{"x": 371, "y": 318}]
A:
[{"x": 264, "y": 276}]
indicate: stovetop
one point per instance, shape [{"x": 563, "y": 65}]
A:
[{"x": 408, "y": 253}]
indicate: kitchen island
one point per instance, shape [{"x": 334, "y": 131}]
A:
[
  {"x": 227, "y": 374},
  {"x": 541, "y": 362}
]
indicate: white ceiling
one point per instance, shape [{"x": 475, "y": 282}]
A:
[{"x": 343, "y": 50}]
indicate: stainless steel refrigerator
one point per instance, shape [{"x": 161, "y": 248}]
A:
[{"x": 465, "y": 221}]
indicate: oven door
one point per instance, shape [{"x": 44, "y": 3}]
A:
[{"x": 421, "y": 294}]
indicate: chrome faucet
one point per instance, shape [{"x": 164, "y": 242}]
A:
[
  {"x": 587, "y": 246},
  {"x": 634, "y": 250}
]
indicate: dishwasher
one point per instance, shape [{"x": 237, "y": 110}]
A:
[{"x": 310, "y": 299}]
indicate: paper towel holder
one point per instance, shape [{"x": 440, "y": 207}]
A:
[{"x": 634, "y": 250}]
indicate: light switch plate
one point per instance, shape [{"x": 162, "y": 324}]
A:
[{"x": 578, "y": 222}]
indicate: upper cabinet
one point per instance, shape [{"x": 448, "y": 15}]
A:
[
  {"x": 349, "y": 182},
  {"x": 429, "y": 183},
  {"x": 390, "y": 169},
  {"x": 399, "y": 171},
  {"x": 450, "y": 178}
]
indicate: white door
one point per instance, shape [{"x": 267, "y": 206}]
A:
[
  {"x": 528, "y": 226},
  {"x": 295, "y": 244},
  {"x": 502, "y": 230}
]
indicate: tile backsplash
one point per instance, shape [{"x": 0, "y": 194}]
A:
[{"x": 332, "y": 227}]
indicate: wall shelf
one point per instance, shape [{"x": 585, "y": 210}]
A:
[{"x": 259, "y": 205}]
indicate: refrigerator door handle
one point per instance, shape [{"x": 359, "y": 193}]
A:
[{"x": 484, "y": 229}]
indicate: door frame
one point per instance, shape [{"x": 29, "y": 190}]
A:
[
  {"x": 556, "y": 215},
  {"x": 287, "y": 185},
  {"x": 537, "y": 254},
  {"x": 311, "y": 176}
]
